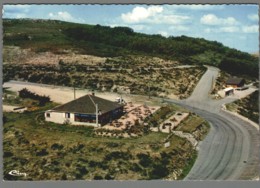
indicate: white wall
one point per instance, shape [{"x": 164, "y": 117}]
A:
[
  {"x": 59, "y": 117},
  {"x": 56, "y": 117}
]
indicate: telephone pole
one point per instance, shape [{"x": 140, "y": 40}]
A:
[
  {"x": 74, "y": 91},
  {"x": 97, "y": 115}
]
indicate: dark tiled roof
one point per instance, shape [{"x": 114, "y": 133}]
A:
[
  {"x": 86, "y": 105},
  {"x": 234, "y": 81}
]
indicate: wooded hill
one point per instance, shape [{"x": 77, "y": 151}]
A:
[{"x": 104, "y": 41}]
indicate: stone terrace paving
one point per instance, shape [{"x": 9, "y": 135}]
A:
[
  {"x": 172, "y": 122},
  {"x": 134, "y": 112}
]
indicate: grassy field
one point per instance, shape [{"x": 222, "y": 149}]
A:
[{"x": 48, "y": 151}]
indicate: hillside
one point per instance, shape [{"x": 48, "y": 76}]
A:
[
  {"x": 133, "y": 74},
  {"x": 59, "y": 37}
]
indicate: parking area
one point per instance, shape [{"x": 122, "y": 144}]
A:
[{"x": 237, "y": 93}]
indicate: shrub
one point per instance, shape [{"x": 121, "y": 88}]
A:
[
  {"x": 55, "y": 163},
  {"x": 144, "y": 159},
  {"x": 98, "y": 177},
  {"x": 82, "y": 170},
  {"x": 64, "y": 177},
  {"x": 118, "y": 155},
  {"x": 159, "y": 171},
  {"x": 78, "y": 176},
  {"x": 93, "y": 164},
  {"x": 112, "y": 144},
  {"x": 43, "y": 152},
  {"x": 135, "y": 167},
  {"x": 83, "y": 160},
  {"x": 109, "y": 177},
  {"x": 8, "y": 154},
  {"x": 24, "y": 93}
]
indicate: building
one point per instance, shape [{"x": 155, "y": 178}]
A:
[
  {"x": 84, "y": 110},
  {"x": 226, "y": 92},
  {"x": 229, "y": 91},
  {"x": 235, "y": 82}
]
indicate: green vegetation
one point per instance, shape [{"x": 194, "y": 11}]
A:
[
  {"x": 25, "y": 93},
  {"x": 160, "y": 115},
  {"x": 248, "y": 106},
  {"x": 48, "y": 151},
  {"x": 26, "y": 99},
  {"x": 188, "y": 167},
  {"x": 220, "y": 82},
  {"x": 160, "y": 80},
  {"x": 58, "y": 36},
  {"x": 194, "y": 125}
]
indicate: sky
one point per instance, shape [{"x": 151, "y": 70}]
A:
[{"x": 236, "y": 26}]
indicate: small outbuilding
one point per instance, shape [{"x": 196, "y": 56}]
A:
[
  {"x": 235, "y": 82},
  {"x": 226, "y": 92},
  {"x": 229, "y": 91},
  {"x": 86, "y": 110}
]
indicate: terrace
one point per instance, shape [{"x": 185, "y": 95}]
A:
[{"x": 134, "y": 114}]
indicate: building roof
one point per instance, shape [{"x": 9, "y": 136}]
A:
[
  {"x": 234, "y": 81},
  {"x": 228, "y": 89},
  {"x": 86, "y": 105}
]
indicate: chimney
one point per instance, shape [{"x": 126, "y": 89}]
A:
[{"x": 93, "y": 93}]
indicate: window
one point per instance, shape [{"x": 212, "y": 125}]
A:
[
  {"x": 67, "y": 115},
  {"x": 85, "y": 118},
  {"x": 48, "y": 115}
]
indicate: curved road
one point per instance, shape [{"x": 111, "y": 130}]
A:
[{"x": 231, "y": 149}]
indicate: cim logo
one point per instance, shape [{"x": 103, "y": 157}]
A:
[{"x": 17, "y": 173}]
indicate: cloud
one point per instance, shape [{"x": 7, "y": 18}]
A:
[
  {"x": 139, "y": 27},
  {"x": 198, "y": 7},
  {"x": 253, "y": 17},
  {"x": 171, "y": 19},
  {"x": 179, "y": 28},
  {"x": 163, "y": 33},
  {"x": 64, "y": 16},
  {"x": 16, "y": 11},
  {"x": 211, "y": 19},
  {"x": 250, "y": 29},
  {"x": 139, "y": 14},
  {"x": 231, "y": 29},
  {"x": 153, "y": 15},
  {"x": 16, "y": 8}
]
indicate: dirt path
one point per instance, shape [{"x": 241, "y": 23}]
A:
[
  {"x": 57, "y": 93},
  {"x": 63, "y": 95}
]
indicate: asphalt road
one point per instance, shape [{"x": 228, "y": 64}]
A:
[
  {"x": 200, "y": 93},
  {"x": 231, "y": 149}
]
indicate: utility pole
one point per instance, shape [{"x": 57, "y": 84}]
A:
[
  {"x": 97, "y": 115},
  {"x": 212, "y": 87},
  {"x": 74, "y": 91},
  {"x": 149, "y": 91}
]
